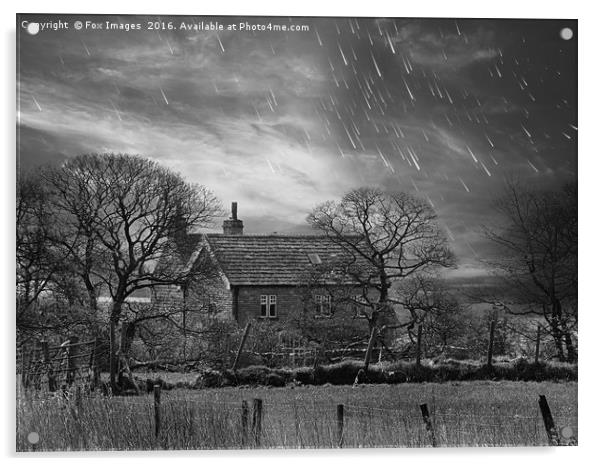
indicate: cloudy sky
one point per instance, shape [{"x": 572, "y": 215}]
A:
[{"x": 280, "y": 121}]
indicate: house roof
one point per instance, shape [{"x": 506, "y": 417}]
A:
[{"x": 280, "y": 259}]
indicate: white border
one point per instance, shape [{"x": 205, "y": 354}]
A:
[{"x": 589, "y": 179}]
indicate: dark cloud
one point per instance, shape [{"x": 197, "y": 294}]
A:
[{"x": 445, "y": 109}]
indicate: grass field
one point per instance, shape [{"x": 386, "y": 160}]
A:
[{"x": 464, "y": 414}]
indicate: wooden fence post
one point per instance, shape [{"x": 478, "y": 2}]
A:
[
  {"x": 76, "y": 403},
  {"x": 93, "y": 366},
  {"x": 369, "y": 350},
  {"x": 548, "y": 421},
  {"x": 27, "y": 368},
  {"x": 244, "y": 422},
  {"x": 537, "y": 342},
  {"x": 48, "y": 364},
  {"x": 419, "y": 346},
  {"x": 241, "y": 346},
  {"x": 257, "y": 415},
  {"x": 490, "y": 344},
  {"x": 340, "y": 423},
  {"x": 298, "y": 439},
  {"x": 424, "y": 409},
  {"x": 319, "y": 353},
  {"x": 38, "y": 366},
  {"x": 23, "y": 376},
  {"x": 78, "y": 398},
  {"x": 157, "y": 398},
  {"x": 71, "y": 360}
]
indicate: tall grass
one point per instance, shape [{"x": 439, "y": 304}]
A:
[{"x": 464, "y": 414}]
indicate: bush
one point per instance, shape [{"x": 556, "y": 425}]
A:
[
  {"x": 275, "y": 380},
  {"x": 345, "y": 373},
  {"x": 209, "y": 379}
]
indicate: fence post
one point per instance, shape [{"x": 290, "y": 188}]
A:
[
  {"x": 369, "y": 349},
  {"x": 490, "y": 344},
  {"x": 38, "y": 367},
  {"x": 94, "y": 370},
  {"x": 92, "y": 364},
  {"x": 78, "y": 398},
  {"x": 157, "y": 398},
  {"x": 340, "y": 423},
  {"x": 48, "y": 364},
  {"x": 537, "y": 342},
  {"x": 298, "y": 439},
  {"x": 257, "y": 415},
  {"x": 419, "y": 346},
  {"x": 548, "y": 421},
  {"x": 76, "y": 402},
  {"x": 244, "y": 422},
  {"x": 424, "y": 409},
  {"x": 319, "y": 352},
  {"x": 23, "y": 377},
  {"x": 28, "y": 367},
  {"x": 241, "y": 346},
  {"x": 71, "y": 360}
]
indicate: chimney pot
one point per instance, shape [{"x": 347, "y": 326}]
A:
[{"x": 233, "y": 226}]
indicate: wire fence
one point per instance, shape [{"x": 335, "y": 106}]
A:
[
  {"x": 73, "y": 362},
  {"x": 258, "y": 423}
]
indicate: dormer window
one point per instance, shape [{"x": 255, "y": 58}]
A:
[{"x": 314, "y": 258}]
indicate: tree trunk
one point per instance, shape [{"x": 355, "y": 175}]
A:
[
  {"x": 114, "y": 344},
  {"x": 128, "y": 330},
  {"x": 557, "y": 333},
  {"x": 570, "y": 348},
  {"x": 92, "y": 300},
  {"x": 419, "y": 346},
  {"x": 112, "y": 357},
  {"x": 557, "y": 336},
  {"x": 127, "y": 337}
]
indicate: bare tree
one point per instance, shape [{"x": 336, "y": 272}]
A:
[
  {"x": 428, "y": 302},
  {"x": 38, "y": 265},
  {"x": 537, "y": 242},
  {"x": 125, "y": 209},
  {"x": 395, "y": 233},
  {"x": 35, "y": 266}
]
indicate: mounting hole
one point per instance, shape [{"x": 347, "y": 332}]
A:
[
  {"x": 566, "y": 33},
  {"x": 566, "y": 432},
  {"x": 33, "y": 438},
  {"x": 33, "y": 28}
]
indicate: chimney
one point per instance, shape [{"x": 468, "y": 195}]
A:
[
  {"x": 233, "y": 226},
  {"x": 178, "y": 233}
]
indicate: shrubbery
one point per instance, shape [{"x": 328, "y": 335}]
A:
[{"x": 345, "y": 372}]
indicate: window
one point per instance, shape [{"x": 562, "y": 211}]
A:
[
  {"x": 272, "y": 309},
  {"x": 268, "y": 306},
  {"x": 323, "y": 305}
]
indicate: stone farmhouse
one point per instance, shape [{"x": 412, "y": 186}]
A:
[{"x": 281, "y": 279}]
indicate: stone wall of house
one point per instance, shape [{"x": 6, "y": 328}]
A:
[
  {"x": 249, "y": 303},
  {"x": 209, "y": 298},
  {"x": 212, "y": 297},
  {"x": 295, "y": 306},
  {"x": 296, "y": 310},
  {"x": 167, "y": 295}
]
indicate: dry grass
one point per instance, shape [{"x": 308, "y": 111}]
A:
[{"x": 464, "y": 414}]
